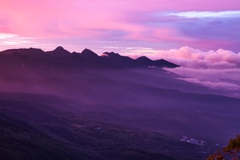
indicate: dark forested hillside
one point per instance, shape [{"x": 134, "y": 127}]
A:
[{"x": 47, "y": 127}]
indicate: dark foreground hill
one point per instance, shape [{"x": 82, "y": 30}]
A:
[
  {"x": 47, "y": 127},
  {"x": 61, "y": 105}
]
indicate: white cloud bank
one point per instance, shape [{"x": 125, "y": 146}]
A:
[
  {"x": 215, "y": 69},
  {"x": 192, "y": 58}
]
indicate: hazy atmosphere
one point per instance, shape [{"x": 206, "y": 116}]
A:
[{"x": 118, "y": 80}]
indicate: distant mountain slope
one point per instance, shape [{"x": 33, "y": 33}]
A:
[{"x": 46, "y": 127}]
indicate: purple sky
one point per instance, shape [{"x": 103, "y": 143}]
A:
[{"x": 126, "y": 26}]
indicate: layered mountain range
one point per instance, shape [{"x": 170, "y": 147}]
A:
[{"x": 61, "y": 105}]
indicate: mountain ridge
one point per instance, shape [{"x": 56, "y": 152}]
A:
[{"x": 87, "y": 58}]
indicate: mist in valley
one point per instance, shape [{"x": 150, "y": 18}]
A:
[{"x": 52, "y": 93}]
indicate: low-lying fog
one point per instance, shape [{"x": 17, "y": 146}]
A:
[{"x": 149, "y": 99}]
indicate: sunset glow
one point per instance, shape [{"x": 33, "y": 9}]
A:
[
  {"x": 117, "y": 26},
  {"x": 119, "y": 79}
]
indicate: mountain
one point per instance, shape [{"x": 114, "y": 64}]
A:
[
  {"x": 144, "y": 61},
  {"x": 119, "y": 61},
  {"x": 87, "y": 53},
  {"x": 38, "y": 127},
  {"x": 62, "y": 105},
  {"x": 60, "y": 56},
  {"x": 60, "y": 51}
]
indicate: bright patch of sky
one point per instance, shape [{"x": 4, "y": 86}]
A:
[
  {"x": 206, "y": 14},
  {"x": 7, "y": 35}
]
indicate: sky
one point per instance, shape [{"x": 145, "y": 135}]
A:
[
  {"x": 126, "y": 26},
  {"x": 196, "y": 34}
]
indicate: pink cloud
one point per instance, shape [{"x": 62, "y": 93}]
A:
[
  {"x": 193, "y": 58},
  {"x": 90, "y": 20},
  {"x": 58, "y": 18},
  {"x": 215, "y": 69},
  {"x": 34, "y": 18}
]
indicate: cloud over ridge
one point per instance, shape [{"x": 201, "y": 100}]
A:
[
  {"x": 193, "y": 58},
  {"x": 215, "y": 69}
]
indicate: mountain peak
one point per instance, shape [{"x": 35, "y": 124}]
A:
[
  {"x": 143, "y": 58},
  {"x": 61, "y": 50},
  {"x": 87, "y": 53},
  {"x": 87, "y": 50}
]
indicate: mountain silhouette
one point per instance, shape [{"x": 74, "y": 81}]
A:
[
  {"x": 62, "y": 59},
  {"x": 60, "y": 50},
  {"x": 144, "y": 59},
  {"x": 87, "y": 53}
]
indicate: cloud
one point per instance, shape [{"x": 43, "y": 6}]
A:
[
  {"x": 7, "y": 35},
  {"x": 206, "y": 14},
  {"x": 213, "y": 84},
  {"x": 224, "y": 79},
  {"x": 193, "y": 58},
  {"x": 215, "y": 69}
]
